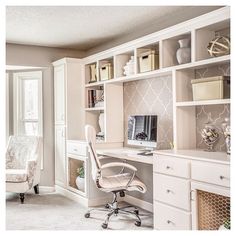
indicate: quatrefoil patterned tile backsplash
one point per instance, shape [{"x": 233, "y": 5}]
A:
[{"x": 154, "y": 96}]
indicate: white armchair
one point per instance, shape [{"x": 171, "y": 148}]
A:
[{"x": 23, "y": 164}]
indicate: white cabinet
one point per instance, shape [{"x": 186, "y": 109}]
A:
[
  {"x": 211, "y": 173},
  {"x": 170, "y": 218},
  {"x": 59, "y": 94},
  {"x": 77, "y": 157},
  {"x": 210, "y": 205},
  {"x": 60, "y": 163},
  {"x": 69, "y": 117},
  {"x": 191, "y": 189},
  {"x": 171, "y": 190}
]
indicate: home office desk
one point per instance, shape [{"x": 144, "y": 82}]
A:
[{"x": 130, "y": 154}]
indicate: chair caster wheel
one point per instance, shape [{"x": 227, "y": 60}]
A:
[
  {"x": 104, "y": 225},
  {"x": 107, "y": 206},
  {"x": 87, "y": 215},
  {"x": 136, "y": 212},
  {"x": 137, "y": 223}
]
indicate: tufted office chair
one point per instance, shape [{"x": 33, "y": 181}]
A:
[
  {"x": 23, "y": 164},
  {"x": 118, "y": 183}
]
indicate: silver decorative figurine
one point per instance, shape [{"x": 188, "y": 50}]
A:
[
  {"x": 209, "y": 135},
  {"x": 226, "y": 131}
]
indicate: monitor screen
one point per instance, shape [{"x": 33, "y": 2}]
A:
[{"x": 142, "y": 130}]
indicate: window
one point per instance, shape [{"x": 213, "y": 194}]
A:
[{"x": 28, "y": 103}]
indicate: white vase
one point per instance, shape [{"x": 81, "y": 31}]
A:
[
  {"x": 80, "y": 183},
  {"x": 183, "y": 54}
]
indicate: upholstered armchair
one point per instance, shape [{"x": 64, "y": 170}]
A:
[{"x": 23, "y": 164}]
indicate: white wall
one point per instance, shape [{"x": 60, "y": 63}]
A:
[{"x": 22, "y": 55}]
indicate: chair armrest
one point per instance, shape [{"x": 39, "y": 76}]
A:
[
  {"x": 116, "y": 164},
  {"x": 31, "y": 170}
]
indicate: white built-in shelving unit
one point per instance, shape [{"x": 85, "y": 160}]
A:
[{"x": 200, "y": 31}]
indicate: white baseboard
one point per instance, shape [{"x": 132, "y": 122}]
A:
[
  {"x": 46, "y": 189},
  {"x": 71, "y": 195},
  {"x": 139, "y": 203},
  {"x": 81, "y": 199},
  {"x": 102, "y": 201}
]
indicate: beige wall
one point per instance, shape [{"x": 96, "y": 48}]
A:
[
  {"x": 22, "y": 55},
  {"x": 154, "y": 26}
]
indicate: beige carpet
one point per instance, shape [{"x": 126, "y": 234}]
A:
[{"x": 53, "y": 211}]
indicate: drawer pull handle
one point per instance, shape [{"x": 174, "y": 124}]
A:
[
  {"x": 222, "y": 177},
  {"x": 75, "y": 149},
  {"x": 168, "y": 191},
  {"x": 170, "y": 222},
  {"x": 167, "y": 167}
]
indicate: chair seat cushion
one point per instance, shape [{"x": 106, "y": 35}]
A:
[
  {"x": 16, "y": 175},
  {"x": 119, "y": 182}
]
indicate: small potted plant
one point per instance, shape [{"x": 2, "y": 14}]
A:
[
  {"x": 80, "y": 178},
  {"x": 225, "y": 225}
]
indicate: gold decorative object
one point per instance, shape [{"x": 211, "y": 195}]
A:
[{"x": 219, "y": 46}]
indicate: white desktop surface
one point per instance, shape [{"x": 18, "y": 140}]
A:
[{"x": 129, "y": 154}]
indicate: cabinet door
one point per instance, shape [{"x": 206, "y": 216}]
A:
[
  {"x": 210, "y": 205},
  {"x": 59, "y": 94},
  {"x": 60, "y": 157}
]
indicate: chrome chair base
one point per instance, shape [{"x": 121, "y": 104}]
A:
[{"x": 113, "y": 209}]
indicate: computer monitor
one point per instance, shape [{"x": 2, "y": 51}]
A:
[{"x": 142, "y": 130}]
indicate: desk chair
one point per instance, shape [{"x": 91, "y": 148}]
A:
[{"x": 115, "y": 184}]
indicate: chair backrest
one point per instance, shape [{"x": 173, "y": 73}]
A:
[
  {"x": 90, "y": 135},
  {"x": 20, "y": 149}
]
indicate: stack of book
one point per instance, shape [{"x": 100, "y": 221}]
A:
[{"x": 95, "y": 96}]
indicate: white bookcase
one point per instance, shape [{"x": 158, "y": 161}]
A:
[
  {"x": 67, "y": 89},
  {"x": 200, "y": 31}
]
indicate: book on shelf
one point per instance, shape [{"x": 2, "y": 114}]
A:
[{"x": 94, "y": 96}]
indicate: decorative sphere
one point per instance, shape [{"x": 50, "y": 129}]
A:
[{"x": 219, "y": 46}]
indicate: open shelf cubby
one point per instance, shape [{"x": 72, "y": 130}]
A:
[
  {"x": 121, "y": 61},
  {"x": 184, "y": 90},
  {"x": 104, "y": 69},
  {"x": 92, "y": 118},
  {"x": 144, "y": 59},
  {"x": 73, "y": 166},
  {"x": 91, "y": 73},
  {"x": 170, "y": 47},
  {"x": 94, "y": 97},
  {"x": 206, "y": 34}
]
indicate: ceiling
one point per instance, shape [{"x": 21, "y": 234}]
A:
[{"x": 86, "y": 27}]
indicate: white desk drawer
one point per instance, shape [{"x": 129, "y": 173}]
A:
[
  {"x": 172, "y": 190},
  {"x": 211, "y": 173},
  {"x": 170, "y": 218},
  {"x": 77, "y": 148},
  {"x": 171, "y": 166}
]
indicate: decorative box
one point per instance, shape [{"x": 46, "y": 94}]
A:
[
  {"x": 106, "y": 71},
  {"x": 148, "y": 61},
  {"x": 217, "y": 87},
  {"x": 93, "y": 73}
]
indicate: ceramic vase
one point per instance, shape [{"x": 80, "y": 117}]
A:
[
  {"x": 80, "y": 183},
  {"x": 183, "y": 54}
]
